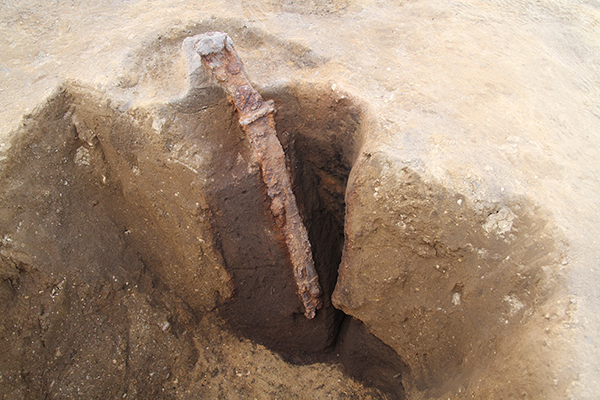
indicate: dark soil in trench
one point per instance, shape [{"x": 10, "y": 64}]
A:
[{"x": 101, "y": 220}]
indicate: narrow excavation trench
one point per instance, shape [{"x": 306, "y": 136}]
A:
[
  {"x": 265, "y": 306},
  {"x": 320, "y": 132}
]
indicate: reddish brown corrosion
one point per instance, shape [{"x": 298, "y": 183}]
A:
[{"x": 256, "y": 118}]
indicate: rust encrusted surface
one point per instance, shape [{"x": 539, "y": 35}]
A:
[{"x": 256, "y": 118}]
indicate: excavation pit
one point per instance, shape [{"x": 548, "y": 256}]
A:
[{"x": 470, "y": 213}]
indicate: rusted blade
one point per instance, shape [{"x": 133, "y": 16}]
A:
[{"x": 256, "y": 118}]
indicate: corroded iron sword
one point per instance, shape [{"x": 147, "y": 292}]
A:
[{"x": 256, "y": 118}]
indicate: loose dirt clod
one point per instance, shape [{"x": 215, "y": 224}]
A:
[{"x": 256, "y": 118}]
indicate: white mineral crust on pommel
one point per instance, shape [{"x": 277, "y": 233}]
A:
[{"x": 213, "y": 42}]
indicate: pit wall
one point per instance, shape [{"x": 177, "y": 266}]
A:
[{"x": 468, "y": 294}]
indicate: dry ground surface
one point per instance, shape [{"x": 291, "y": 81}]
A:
[{"x": 445, "y": 160}]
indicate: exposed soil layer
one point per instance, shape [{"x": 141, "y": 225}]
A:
[
  {"x": 109, "y": 221},
  {"x": 84, "y": 313}
]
